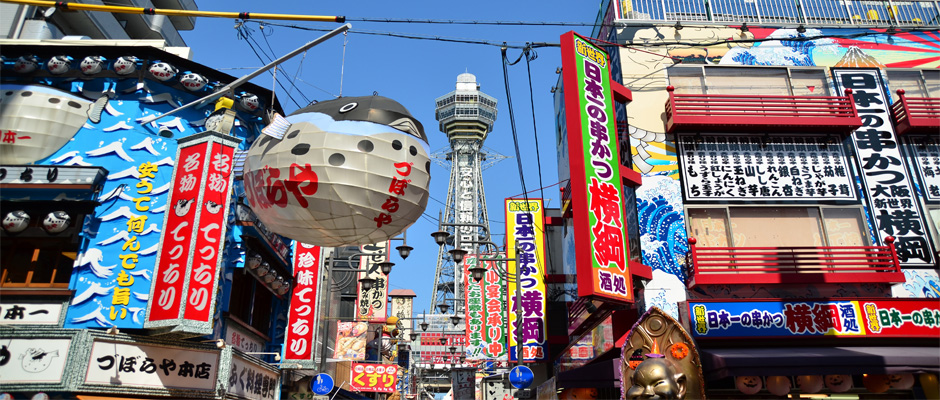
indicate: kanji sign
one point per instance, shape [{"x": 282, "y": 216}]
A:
[
  {"x": 302, "y": 316},
  {"x": 372, "y": 304},
  {"x": 525, "y": 232},
  {"x": 486, "y": 310},
  {"x": 908, "y": 318},
  {"x": 379, "y": 378}
]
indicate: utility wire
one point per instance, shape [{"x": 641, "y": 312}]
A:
[{"x": 249, "y": 39}]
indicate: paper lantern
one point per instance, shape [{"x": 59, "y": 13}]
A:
[
  {"x": 16, "y": 221},
  {"x": 778, "y": 385},
  {"x": 26, "y": 64},
  {"x": 349, "y": 171},
  {"x": 809, "y": 383},
  {"x": 59, "y": 65},
  {"x": 838, "y": 383},
  {"x": 92, "y": 65},
  {"x": 163, "y": 71},
  {"x": 876, "y": 383},
  {"x": 283, "y": 289},
  {"x": 193, "y": 81},
  {"x": 56, "y": 222},
  {"x": 42, "y": 120},
  {"x": 901, "y": 381},
  {"x": 125, "y": 65},
  {"x": 253, "y": 262},
  {"x": 748, "y": 384}
]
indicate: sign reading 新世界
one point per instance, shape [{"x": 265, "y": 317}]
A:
[
  {"x": 908, "y": 318},
  {"x": 892, "y": 203}
]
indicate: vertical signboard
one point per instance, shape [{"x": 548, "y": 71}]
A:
[
  {"x": 486, "y": 309},
  {"x": 525, "y": 222},
  {"x": 186, "y": 276},
  {"x": 372, "y": 304},
  {"x": 402, "y": 307},
  {"x": 463, "y": 383},
  {"x": 302, "y": 316},
  {"x": 596, "y": 188},
  {"x": 889, "y": 194}
]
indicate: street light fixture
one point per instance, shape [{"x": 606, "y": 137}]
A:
[
  {"x": 443, "y": 340},
  {"x": 477, "y": 273},
  {"x": 367, "y": 283},
  {"x": 414, "y": 336},
  {"x": 455, "y": 319},
  {"x": 440, "y": 237},
  {"x": 443, "y": 307},
  {"x": 386, "y": 267},
  {"x": 424, "y": 326},
  {"x": 453, "y": 349},
  {"x": 404, "y": 251},
  {"x": 457, "y": 254}
]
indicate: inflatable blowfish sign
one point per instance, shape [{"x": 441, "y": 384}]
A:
[{"x": 349, "y": 171}]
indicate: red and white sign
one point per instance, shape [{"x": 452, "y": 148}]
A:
[
  {"x": 186, "y": 275},
  {"x": 302, "y": 318},
  {"x": 381, "y": 378}
]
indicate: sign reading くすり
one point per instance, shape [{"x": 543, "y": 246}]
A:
[{"x": 379, "y": 378}]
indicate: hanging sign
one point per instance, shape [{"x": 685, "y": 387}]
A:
[
  {"x": 486, "y": 309},
  {"x": 302, "y": 317},
  {"x": 372, "y": 304},
  {"x": 379, "y": 378},
  {"x": 125, "y": 364},
  {"x": 525, "y": 231}
]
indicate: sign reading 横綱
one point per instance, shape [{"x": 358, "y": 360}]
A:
[
  {"x": 302, "y": 316},
  {"x": 525, "y": 222},
  {"x": 892, "y": 203},
  {"x": 371, "y": 304},
  {"x": 486, "y": 309},
  {"x": 600, "y": 236},
  {"x": 738, "y": 167},
  {"x": 186, "y": 276},
  {"x": 908, "y": 318}
]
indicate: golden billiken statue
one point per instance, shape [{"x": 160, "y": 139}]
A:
[{"x": 656, "y": 378}]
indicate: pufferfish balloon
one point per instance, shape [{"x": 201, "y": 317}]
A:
[{"x": 349, "y": 171}]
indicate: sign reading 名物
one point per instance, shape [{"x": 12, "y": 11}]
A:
[
  {"x": 250, "y": 381},
  {"x": 238, "y": 339},
  {"x": 372, "y": 305},
  {"x": 876, "y": 317},
  {"x": 486, "y": 309},
  {"x": 888, "y": 190},
  {"x": 186, "y": 276},
  {"x": 122, "y": 364},
  {"x": 30, "y": 313},
  {"x": 525, "y": 232},
  {"x": 600, "y": 235},
  {"x": 302, "y": 316},
  {"x": 33, "y": 360},
  {"x": 737, "y": 167},
  {"x": 379, "y": 378}
]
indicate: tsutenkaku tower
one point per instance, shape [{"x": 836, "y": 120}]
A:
[{"x": 466, "y": 115}]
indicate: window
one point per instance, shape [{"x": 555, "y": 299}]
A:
[
  {"x": 251, "y": 301},
  {"x": 749, "y": 81},
  {"x": 36, "y": 259},
  {"x": 777, "y": 226},
  {"x": 915, "y": 83}
]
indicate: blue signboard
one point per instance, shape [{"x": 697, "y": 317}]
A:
[
  {"x": 321, "y": 384},
  {"x": 774, "y": 318},
  {"x": 521, "y": 377}
]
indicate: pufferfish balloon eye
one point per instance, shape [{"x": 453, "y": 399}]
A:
[{"x": 349, "y": 171}]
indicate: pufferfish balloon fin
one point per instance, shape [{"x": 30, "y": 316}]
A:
[{"x": 277, "y": 128}]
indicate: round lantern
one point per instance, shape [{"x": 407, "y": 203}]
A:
[
  {"x": 748, "y": 384},
  {"x": 876, "y": 383},
  {"x": 930, "y": 385},
  {"x": 125, "y": 65},
  {"x": 901, "y": 381},
  {"x": 249, "y": 101},
  {"x": 809, "y": 383},
  {"x": 838, "y": 383},
  {"x": 348, "y": 171},
  {"x": 163, "y": 71},
  {"x": 16, "y": 221},
  {"x": 283, "y": 289},
  {"x": 253, "y": 262},
  {"x": 56, "y": 222},
  {"x": 59, "y": 65},
  {"x": 193, "y": 81},
  {"x": 778, "y": 385},
  {"x": 270, "y": 277},
  {"x": 263, "y": 269},
  {"x": 26, "y": 64},
  {"x": 92, "y": 65},
  {"x": 277, "y": 284}
]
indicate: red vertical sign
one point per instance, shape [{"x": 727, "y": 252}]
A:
[{"x": 301, "y": 320}]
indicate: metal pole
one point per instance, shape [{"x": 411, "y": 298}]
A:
[
  {"x": 329, "y": 293},
  {"x": 74, "y": 6}
]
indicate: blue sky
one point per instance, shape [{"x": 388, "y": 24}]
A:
[{"x": 414, "y": 73}]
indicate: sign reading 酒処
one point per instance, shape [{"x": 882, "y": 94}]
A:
[
  {"x": 600, "y": 235},
  {"x": 302, "y": 316},
  {"x": 525, "y": 232},
  {"x": 892, "y": 203},
  {"x": 877, "y": 317}
]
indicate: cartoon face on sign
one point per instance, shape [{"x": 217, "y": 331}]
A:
[{"x": 349, "y": 171}]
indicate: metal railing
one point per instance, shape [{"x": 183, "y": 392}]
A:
[
  {"x": 925, "y": 13},
  {"x": 916, "y": 114}
]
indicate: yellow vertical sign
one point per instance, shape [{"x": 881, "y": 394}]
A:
[{"x": 525, "y": 232}]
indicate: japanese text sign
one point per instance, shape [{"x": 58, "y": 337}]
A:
[
  {"x": 525, "y": 232},
  {"x": 302, "y": 316},
  {"x": 892, "y": 202},
  {"x": 350, "y": 340},
  {"x": 379, "y": 378},
  {"x": 372, "y": 304},
  {"x": 486, "y": 309},
  {"x": 250, "y": 381},
  {"x": 127, "y": 364},
  {"x": 186, "y": 276},
  {"x": 926, "y": 155},
  {"x": 30, "y": 313},
  {"x": 878, "y": 317},
  {"x": 597, "y": 194}
]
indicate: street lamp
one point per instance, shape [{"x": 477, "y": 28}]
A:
[
  {"x": 443, "y": 340},
  {"x": 386, "y": 267},
  {"x": 455, "y": 319},
  {"x": 443, "y": 307},
  {"x": 424, "y": 326},
  {"x": 457, "y": 254},
  {"x": 477, "y": 272},
  {"x": 367, "y": 283},
  {"x": 414, "y": 336},
  {"x": 440, "y": 237}
]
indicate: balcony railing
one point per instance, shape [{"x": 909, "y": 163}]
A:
[
  {"x": 793, "y": 265},
  {"x": 925, "y": 13},
  {"x": 915, "y": 115},
  {"x": 750, "y": 113}
]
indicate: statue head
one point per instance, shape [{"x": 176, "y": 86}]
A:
[{"x": 655, "y": 378}]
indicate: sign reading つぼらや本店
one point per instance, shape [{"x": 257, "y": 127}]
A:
[
  {"x": 600, "y": 234},
  {"x": 909, "y": 318}
]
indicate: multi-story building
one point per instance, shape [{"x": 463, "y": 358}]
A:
[{"x": 789, "y": 204}]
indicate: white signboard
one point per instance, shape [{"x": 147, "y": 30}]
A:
[
  {"x": 753, "y": 167},
  {"x": 249, "y": 381},
  {"x": 33, "y": 360},
  {"x": 927, "y": 164},
  {"x": 122, "y": 364},
  {"x": 30, "y": 313},
  {"x": 238, "y": 339}
]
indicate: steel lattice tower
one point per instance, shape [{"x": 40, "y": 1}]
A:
[{"x": 466, "y": 115}]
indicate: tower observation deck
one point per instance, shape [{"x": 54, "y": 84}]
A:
[{"x": 466, "y": 115}]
